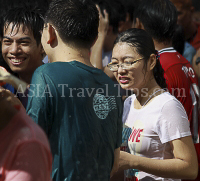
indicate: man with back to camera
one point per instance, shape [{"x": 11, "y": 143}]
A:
[{"x": 76, "y": 104}]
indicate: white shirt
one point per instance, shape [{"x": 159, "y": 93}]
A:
[{"x": 149, "y": 130}]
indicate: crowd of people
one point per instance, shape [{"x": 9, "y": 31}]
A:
[{"x": 117, "y": 99}]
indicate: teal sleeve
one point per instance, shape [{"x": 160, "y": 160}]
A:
[{"x": 38, "y": 101}]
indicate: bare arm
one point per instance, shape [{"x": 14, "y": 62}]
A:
[
  {"x": 96, "y": 53},
  {"x": 183, "y": 166}
]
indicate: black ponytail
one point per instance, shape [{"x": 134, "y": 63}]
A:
[{"x": 158, "y": 72}]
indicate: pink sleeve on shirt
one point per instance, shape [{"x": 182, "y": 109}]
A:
[{"x": 32, "y": 162}]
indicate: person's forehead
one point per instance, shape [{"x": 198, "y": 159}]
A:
[
  {"x": 124, "y": 48},
  {"x": 17, "y": 30}
]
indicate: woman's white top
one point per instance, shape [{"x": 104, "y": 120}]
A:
[{"x": 149, "y": 130}]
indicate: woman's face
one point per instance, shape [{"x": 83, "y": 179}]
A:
[{"x": 134, "y": 78}]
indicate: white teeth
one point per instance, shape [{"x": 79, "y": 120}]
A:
[{"x": 16, "y": 60}]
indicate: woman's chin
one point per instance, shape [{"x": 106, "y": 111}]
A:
[{"x": 125, "y": 86}]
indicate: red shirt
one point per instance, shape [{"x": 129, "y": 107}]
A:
[{"x": 181, "y": 82}]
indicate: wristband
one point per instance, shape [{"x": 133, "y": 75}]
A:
[{"x": 197, "y": 61}]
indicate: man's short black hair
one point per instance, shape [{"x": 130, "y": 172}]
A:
[
  {"x": 130, "y": 6},
  {"x": 76, "y": 21},
  {"x": 159, "y": 18},
  {"x": 30, "y": 17}
]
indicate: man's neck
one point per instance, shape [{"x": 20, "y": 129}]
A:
[
  {"x": 161, "y": 45},
  {"x": 64, "y": 53}
]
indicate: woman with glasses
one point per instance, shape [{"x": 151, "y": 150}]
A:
[{"x": 157, "y": 141}]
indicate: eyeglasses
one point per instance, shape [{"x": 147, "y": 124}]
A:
[{"x": 125, "y": 66}]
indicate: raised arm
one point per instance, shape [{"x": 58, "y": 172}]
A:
[{"x": 96, "y": 52}]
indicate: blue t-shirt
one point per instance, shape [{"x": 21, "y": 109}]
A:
[
  {"x": 80, "y": 109},
  {"x": 189, "y": 52}
]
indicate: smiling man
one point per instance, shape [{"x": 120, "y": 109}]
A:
[
  {"x": 21, "y": 42},
  {"x": 21, "y": 51}
]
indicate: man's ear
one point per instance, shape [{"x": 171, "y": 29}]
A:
[
  {"x": 137, "y": 24},
  {"x": 51, "y": 34},
  {"x": 152, "y": 61}
]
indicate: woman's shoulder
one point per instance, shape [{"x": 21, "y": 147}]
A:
[
  {"x": 166, "y": 97},
  {"x": 170, "y": 103}
]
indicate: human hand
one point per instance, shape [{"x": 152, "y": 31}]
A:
[
  {"x": 103, "y": 22},
  {"x": 6, "y": 77},
  {"x": 2, "y": 82}
]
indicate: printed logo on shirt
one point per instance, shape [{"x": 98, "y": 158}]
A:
[
  {"x": 188, "y": 71},
  {"x": 136, "y": 138},
  {"x": 102, "y": 105},
  {"x": 135, "y": 135}
]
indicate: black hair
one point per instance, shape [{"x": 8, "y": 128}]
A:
[
  {"x": 30, "y": 16},
  {"x": 178, "y": 39},
  {"x": 130, "y": 6},
  {"x": 76, "y": 21},
  {"x": 116, "y": 11},
  {"x": 159, "y": 18},
  {"x": 142, "y": 41}
]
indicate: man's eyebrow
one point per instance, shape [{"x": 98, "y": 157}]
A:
[
  {"x": 24, "y": 38},
  {"x": 7, "y": 37},
  {"x": 20, "y": 39}
]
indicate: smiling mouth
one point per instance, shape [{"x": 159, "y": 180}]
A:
[{"x": 16, "y": 60}]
